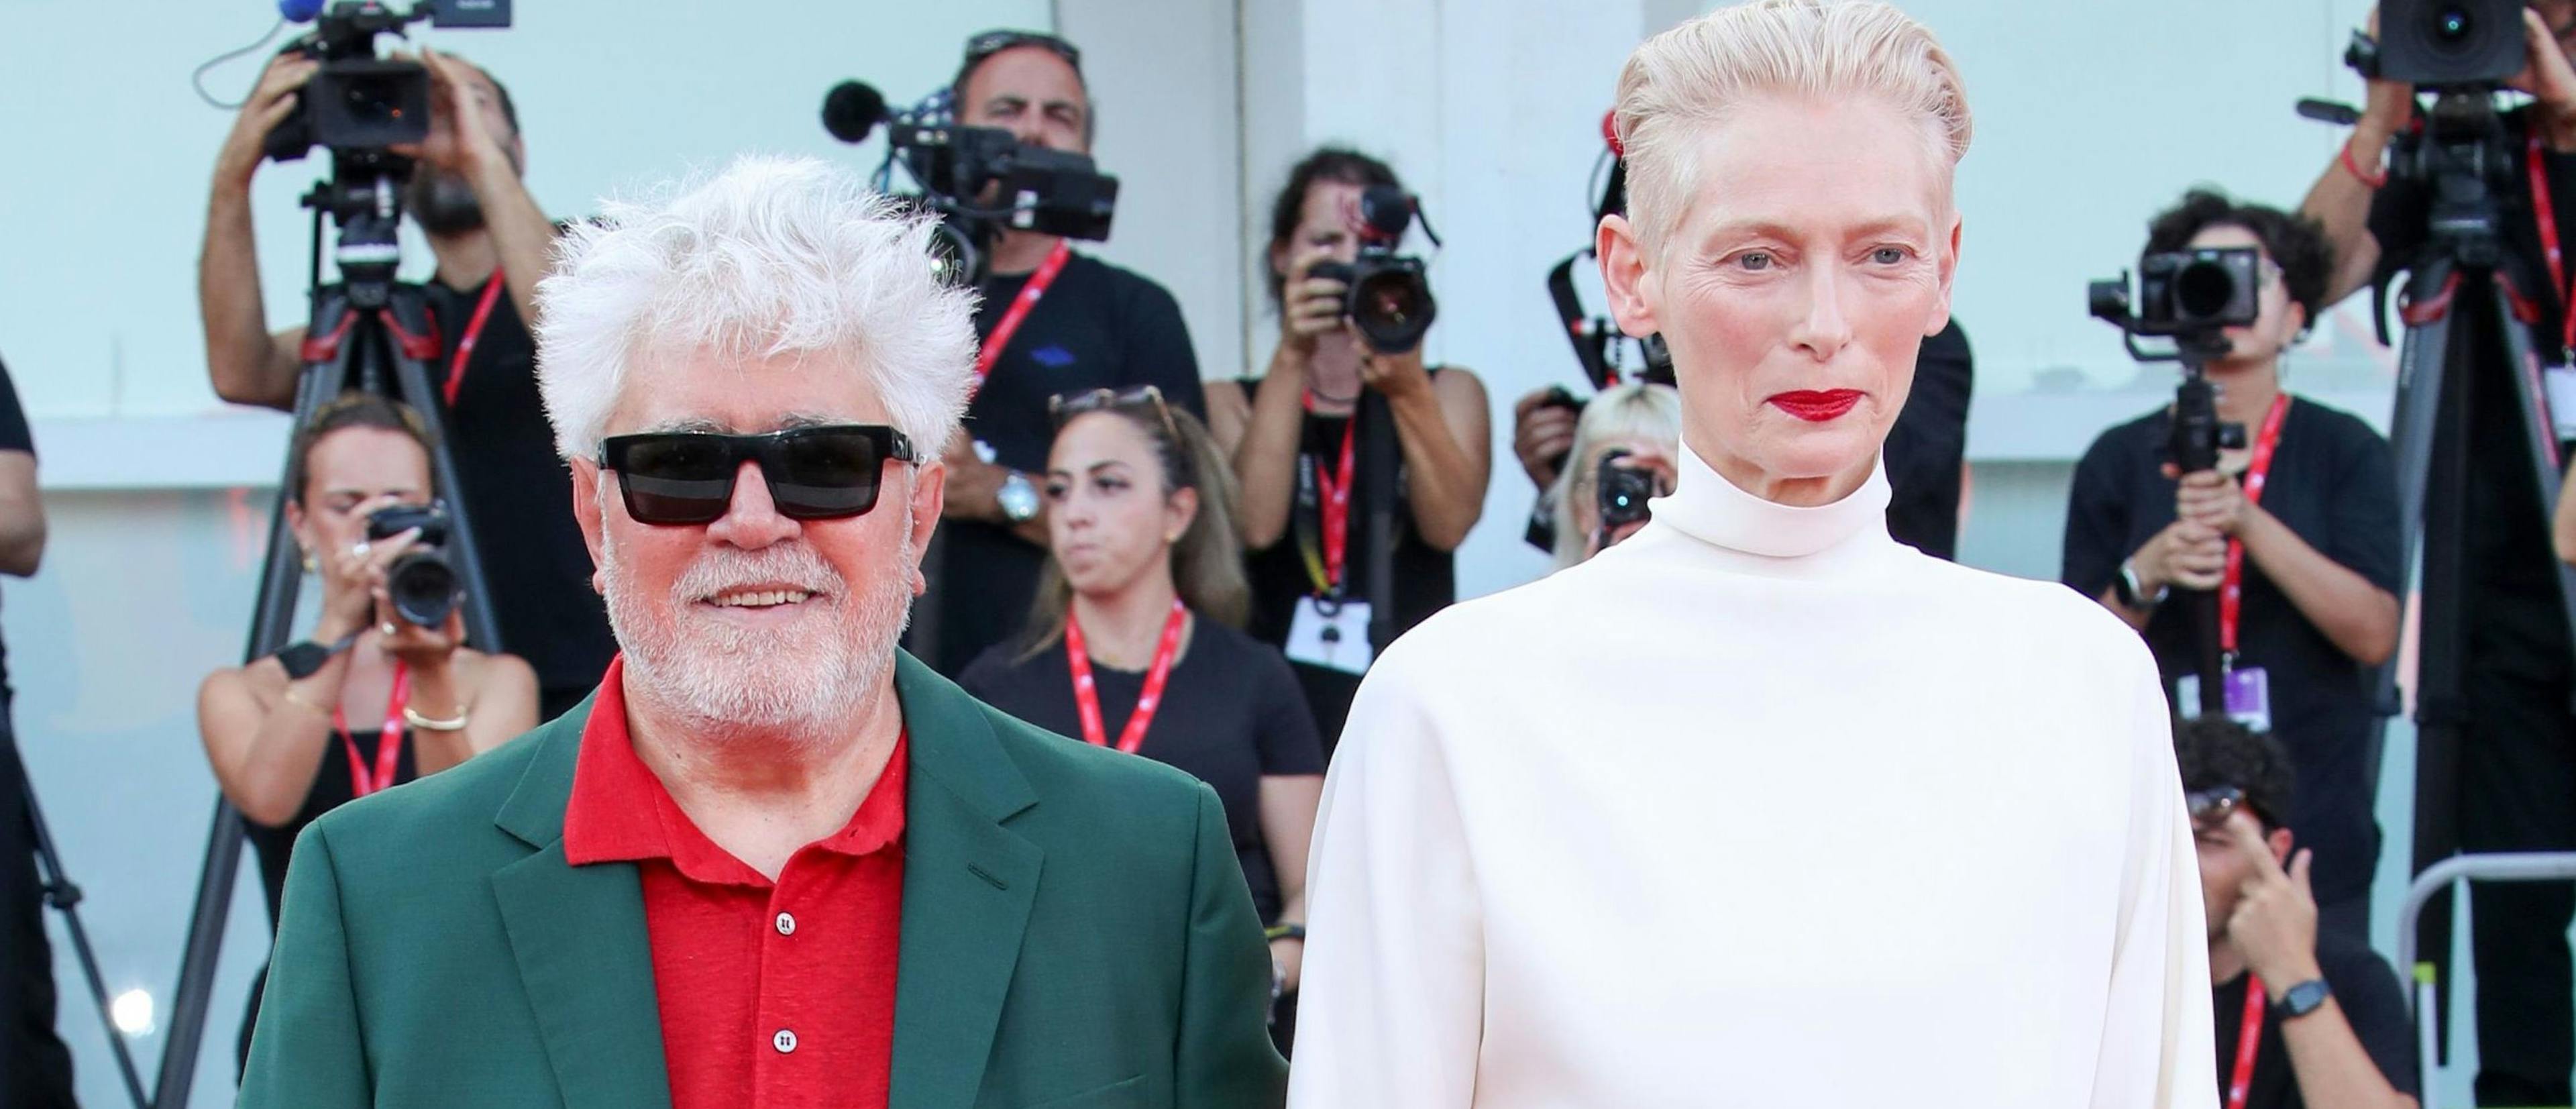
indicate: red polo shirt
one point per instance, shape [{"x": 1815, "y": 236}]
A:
[{"x": 772, "y": 994}]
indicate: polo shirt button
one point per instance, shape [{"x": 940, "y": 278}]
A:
[
  {"x": 784, "y": 1041},
  {"x": 786, "y": 924}
]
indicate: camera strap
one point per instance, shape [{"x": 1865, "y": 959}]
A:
[
  {"x": 2249, "y": 1036},
  {"x": 388, "y": 742},
  {"x": 1324, "y": 505},
  {"x": 473, "y": 334},
  {"x": 2544, "y": 211},
  {"x": 1086, "y": 695},
  {"x": 1000, "y": 339},
  {"x": 2231, "y": 592}
]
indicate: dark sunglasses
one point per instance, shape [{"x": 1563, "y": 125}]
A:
[
  {"x": 1062, "y": 408},
  {"x": 990, "y": 43},
  {"x": 814, "y": 473}
]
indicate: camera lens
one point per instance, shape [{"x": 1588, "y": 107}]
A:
[
  {"x": 2453, "y": 27},
  {"x": 422, "y": 587},
  {"x": 2202, "y": 290}
]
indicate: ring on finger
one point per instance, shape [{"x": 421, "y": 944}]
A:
[{"x": 361, "y": 549}]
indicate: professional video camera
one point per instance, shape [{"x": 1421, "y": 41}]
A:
[
  {"x": 2191, "y": 296},
  {"x": 1389, "y": 299},
  {"x": 422, "y": 585},
  {"x": 2442, "y": 45},
  {"x": 980, "y": 181},
  {"x": 358, "y": 101}
]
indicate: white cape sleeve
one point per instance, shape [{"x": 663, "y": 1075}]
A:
[
  {"x": 2157, "y": 1040},
  {"x": 1390, "y": 1007}
]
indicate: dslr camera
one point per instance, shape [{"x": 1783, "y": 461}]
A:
[
  {"x": 422, "y": 584},
  {"x": 979, "y": 181},
  {"x": 1624, "y": 491},
  {"x": 2190, "y": 296},
  {"x": 1389, "y": 299},
  {"x": 358, "y": 101}
]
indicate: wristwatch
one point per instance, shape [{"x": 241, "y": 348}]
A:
[
  {"x": 304, "y": 658},
  {"x": 1018, "y": 497},
  {"x": 2302, "y": 999},
  {"x": 2125, "y": 587}
]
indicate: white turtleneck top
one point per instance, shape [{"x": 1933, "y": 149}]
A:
[{"x": 1759, "y": 808}]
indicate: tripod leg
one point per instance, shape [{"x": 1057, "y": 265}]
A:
[
  {"x": 64, "y": 896},
  {"x": 281, "y": 574}
]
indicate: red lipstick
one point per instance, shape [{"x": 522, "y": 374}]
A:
[{"x": 1817, "y": 407}]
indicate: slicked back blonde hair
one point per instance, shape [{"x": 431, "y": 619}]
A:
[{"x": 1678, "y": 82}]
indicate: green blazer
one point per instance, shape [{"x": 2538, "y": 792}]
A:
[{"x": 1076, "y": 935}]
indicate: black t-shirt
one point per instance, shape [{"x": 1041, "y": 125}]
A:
[
  {"x": 2516, "y": 619},
  {"x": 331, "y": 789},
  {"x": 2372, "y": 1002},
  {"x": 1927, "y": 445},
  {"x": 14, "y": 436},
  {"x": 1425, "y": 578},
  {"x": 1231, "y": 716},
  {"x": 2332, "y": 483},
  {"x": 519, "y": 493},
  {"x": 1098, "y": 326}
]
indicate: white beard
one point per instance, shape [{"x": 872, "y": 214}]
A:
[{"x": 724, "y": 679}]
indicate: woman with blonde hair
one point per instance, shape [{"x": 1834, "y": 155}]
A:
[
  {"x": 1761, "y": 807},
  {"x": 1635, "y": 428}
]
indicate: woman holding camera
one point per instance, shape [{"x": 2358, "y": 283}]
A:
[
  {"x": 368, "y": 700},
  {"x": 2299, "y": 528},
  {"x": 1135, "y": 623},
  {"x": 1306, "y": 500},
  {"x": 1631, "y": 429}
]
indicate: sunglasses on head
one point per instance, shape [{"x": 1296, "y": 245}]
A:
[
  {"x": 1062, "y": 408},
  {"x": 994, "y": 42},
  {"x": 814, "y": 473},
  {"x": 2210, "y": 808}
]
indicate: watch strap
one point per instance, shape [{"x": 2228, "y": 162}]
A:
[
  {"x": 304, "y": 658},
  {"x": 2302, "y": 999}
]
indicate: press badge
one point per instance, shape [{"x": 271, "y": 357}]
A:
[
  {"x": 1331, "y": 634},
  {"x": 2558, "y": 384},
  {"x": 2248, "y": 697}
]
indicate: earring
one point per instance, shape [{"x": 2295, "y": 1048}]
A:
[{"x": 310, "y": 566}]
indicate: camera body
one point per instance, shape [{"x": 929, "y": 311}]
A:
[
  {"x": 358, "y": 101},
  {"x": 422, "y": 584},
  {"x": 979, "y": 181},
  {"x": 2445, "y": 44},
  {"x": 1389, "y": 296},
  {"x": 2182, "y": 292}
]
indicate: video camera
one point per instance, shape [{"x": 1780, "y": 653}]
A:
[
  {"x": 358, "y": 101},
  {"x": 422, "y": 584},
  {"x": 980, "y": 181},
  {"x": 2443, "y": 45},
  {"x": 2190, "y": 296}
]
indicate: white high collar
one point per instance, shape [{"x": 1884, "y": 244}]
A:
[{"x": 1708, "y": 507}]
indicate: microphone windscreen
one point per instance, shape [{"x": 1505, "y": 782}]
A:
[{"x": 851, "y": 110}]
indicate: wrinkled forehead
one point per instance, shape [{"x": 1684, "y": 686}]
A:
[{"x": 1819, "y": 168}]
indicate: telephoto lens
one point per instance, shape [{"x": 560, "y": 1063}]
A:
[{"x": 422, "y": 584}]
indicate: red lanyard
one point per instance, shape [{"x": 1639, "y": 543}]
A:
[
  {"x": 1019, "y": 310},
  {"x": 1333, "y": 507},
  {"x": 388, "y": 742},
  {"x": 2544, "y": 211},
  {"x": 2231, "y": 593},
  {"x": 473, "y": 334},
  {"x": 2249, "y": 1036},
  {"x": 1086, "y": 694}
]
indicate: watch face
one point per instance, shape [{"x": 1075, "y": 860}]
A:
[
  {"x": 1019, "y": 498},
  {"x": 2304, "y": 998}
]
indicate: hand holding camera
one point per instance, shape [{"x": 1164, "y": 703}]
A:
[
  {"x": 1315, "y": 301},
  {"x": 278, "y": 95}
]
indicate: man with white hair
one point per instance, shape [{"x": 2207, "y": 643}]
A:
[{"x": 773, "y": 861}]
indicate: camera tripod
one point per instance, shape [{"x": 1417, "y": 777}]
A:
[
  {"x": 368, "y": 332},
  {"x": 2467, "y": 334},
  {"x": 64, "y": 896}
]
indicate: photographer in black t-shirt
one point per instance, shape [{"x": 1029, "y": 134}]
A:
[
  {"x": 2516, "y": 738},
  {"x": 35, "y": 1067},
  {"x": 490, "y": 239},
  {"x": 2328, "y": 1027},
  {"x": 1092, "y": 325},
  {"x": 2310, "y": 514}
]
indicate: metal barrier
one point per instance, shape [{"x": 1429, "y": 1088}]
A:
[{"x": 2424, "y": 1000}]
